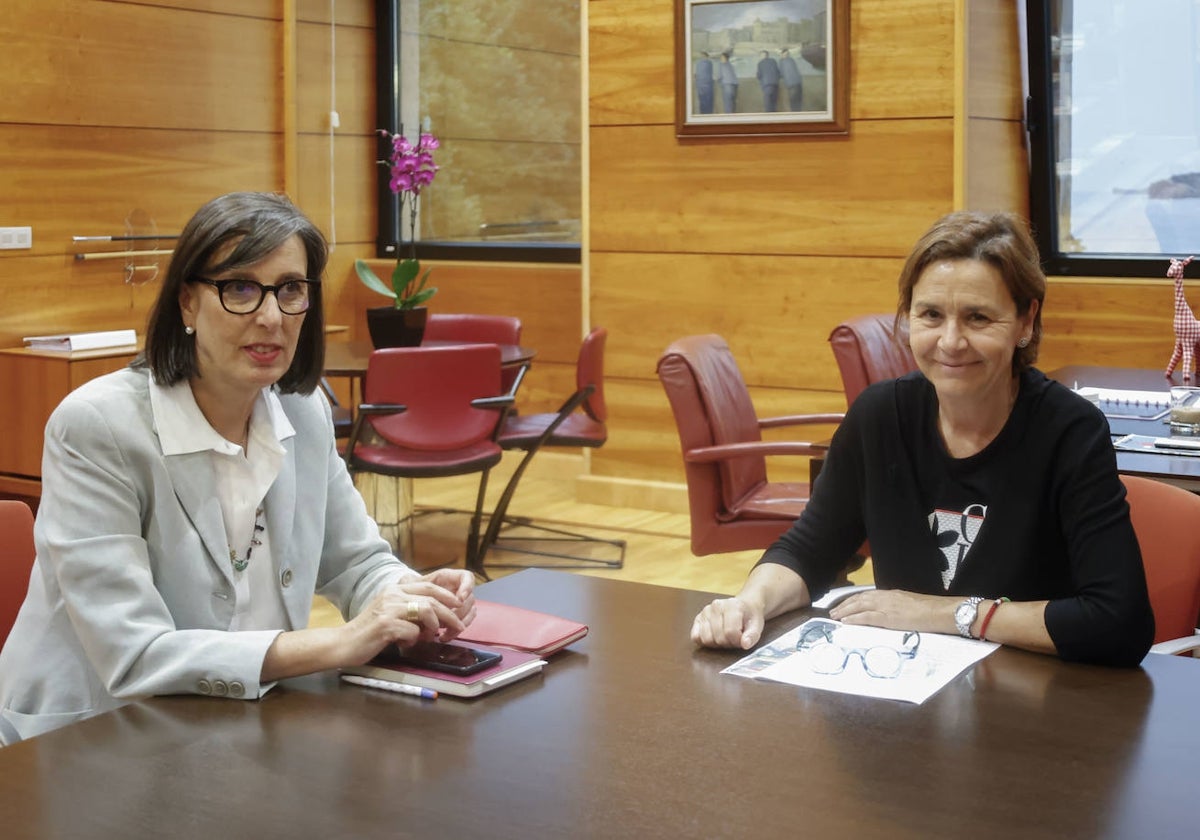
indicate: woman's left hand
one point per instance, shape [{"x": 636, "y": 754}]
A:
[
  {"x": 462, "y": 583},
  {"x": 899, "y": 610}
]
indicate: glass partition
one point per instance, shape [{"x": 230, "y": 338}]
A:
[
  {"x": 498, "y": 83},
  {"x": 1114, "y": 121}
]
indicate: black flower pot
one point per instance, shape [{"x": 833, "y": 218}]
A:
[{"x": 392, "y": 327}]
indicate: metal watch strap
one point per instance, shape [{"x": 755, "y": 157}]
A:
[{"x": 965, "y": 615}]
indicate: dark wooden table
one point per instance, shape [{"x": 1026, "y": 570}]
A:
[
  {"x": 633, "y": 733},
  {"x": 1181, "y": 470}
]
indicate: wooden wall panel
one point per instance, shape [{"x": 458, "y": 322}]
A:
[
  {"x": 632, "y": 62},
  {"x": 870, "y": 196},
  {"x": 993, "y": 60},
  {"x": 77, "y": 62},
  {"x": 360, "y": 13},
  {"x": 353, "y": 160},
  {"x": 1109, "y": 322},
  {"x": 166, "y": 174},
  {"x": 354, "y": 87},
  {"x": 776, "y": 312},
  {"x": 997, "y": 174},
  {"x": 901, "y": 60}
]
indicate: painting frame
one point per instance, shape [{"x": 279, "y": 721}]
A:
[{"x": 738, "y": 41}]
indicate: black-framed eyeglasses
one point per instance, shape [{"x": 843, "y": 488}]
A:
[
  {"x": 881, "y": 661},
  {"x": 243, "y": 297}
]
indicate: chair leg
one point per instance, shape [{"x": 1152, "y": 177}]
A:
[
  {"x": 474, "y": 556},
  {"x": 500, "y": 518}
]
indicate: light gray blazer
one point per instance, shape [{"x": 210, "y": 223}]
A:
[{"x": 132, "y": 591}]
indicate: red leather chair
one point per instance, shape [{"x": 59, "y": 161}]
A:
[
  {"x": 732, "y": 503},
  {"x": 579, "y": 422},
  {"x": 1164, "y": 518},
  {"x": 16, "y": 560},
  {"x": 476, "y": 329},
  {"x": 870, "y": 349},
  {"x": 434, "y": 411}
]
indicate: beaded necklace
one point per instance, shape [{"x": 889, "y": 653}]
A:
[{"x": 240, "y": 565}]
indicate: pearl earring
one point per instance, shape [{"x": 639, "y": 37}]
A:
[
  {"x": 1023, "y": 343},
  {"x": 189, "y": 330}
]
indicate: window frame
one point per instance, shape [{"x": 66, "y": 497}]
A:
[
  {"x": 389, "y": 238},
  {"x": 1043, "y": 184}
]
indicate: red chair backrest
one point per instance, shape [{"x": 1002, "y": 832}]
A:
[
  {"x": 589, "y": 370},
  {"x": 712, "y": 405},
  {"x": 870, "y": 349},
  {"x": 476, "y": 329},
  {"x": 16, "y": 560},
  {"x": 1166, "y": 519},
  {"x": 437, "y": 385}
]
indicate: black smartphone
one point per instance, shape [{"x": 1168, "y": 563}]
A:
[{"x": 451, "y": 658}]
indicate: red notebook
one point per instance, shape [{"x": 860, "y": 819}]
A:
[{"x": 520, "y": 629}]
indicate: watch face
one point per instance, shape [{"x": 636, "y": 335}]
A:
[{"x": 963, "y": 613}]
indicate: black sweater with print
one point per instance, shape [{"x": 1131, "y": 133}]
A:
[{"x": 1039, "y": 514}]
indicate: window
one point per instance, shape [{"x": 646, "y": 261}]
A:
[
  {"x": 1114, "y": 126},
  {"x": 498, "y": 83}
]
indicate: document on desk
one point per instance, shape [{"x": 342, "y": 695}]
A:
[
  {"x": 1125, "y": 404},
  {"x": 1177, "y": 446},
  {"x": 838, "y": 656}
]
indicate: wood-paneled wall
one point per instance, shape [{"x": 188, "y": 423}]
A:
[
  {"x": 158, "y": 105},
  {"x": 769, "y": 243},
  {"x": 148, "y": 109}
]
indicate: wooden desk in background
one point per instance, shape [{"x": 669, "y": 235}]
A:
[
  {"x": 1180, "y": 470},
  {"x": 32, "y": 384},
  {"x": 631, "y": 732}
]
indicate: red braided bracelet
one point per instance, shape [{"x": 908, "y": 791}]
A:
[{"x": 987, "y": 618}]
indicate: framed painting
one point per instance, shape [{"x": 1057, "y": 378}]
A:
[{"x": 762, "y": 67}]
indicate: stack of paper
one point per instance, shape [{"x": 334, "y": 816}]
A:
[{"x": 68, "y": 342}]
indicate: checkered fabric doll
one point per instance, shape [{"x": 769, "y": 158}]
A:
[{"x": 1187, "y": 328}]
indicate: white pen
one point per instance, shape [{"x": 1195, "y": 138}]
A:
[{"x": 388, "y": 685}]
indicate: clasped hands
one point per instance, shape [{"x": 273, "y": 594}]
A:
[{"x": 437, "y": 606}]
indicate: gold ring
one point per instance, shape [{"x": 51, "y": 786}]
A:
[{"x": 414, "y": 610}]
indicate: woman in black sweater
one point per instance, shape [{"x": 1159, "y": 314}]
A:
[{"x": 987, "y": 491}]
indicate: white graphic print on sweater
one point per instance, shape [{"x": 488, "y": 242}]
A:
[{"x": 955, "y": 533}]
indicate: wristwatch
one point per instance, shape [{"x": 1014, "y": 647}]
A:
[{"x": 964, "y": 616}]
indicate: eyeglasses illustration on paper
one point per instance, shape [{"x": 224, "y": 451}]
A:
[{"x": 825, "y": 656}]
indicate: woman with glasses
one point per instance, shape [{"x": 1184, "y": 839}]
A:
[
  {"x": 193, "y": 503},
  {"x": 988, "y": 493}
]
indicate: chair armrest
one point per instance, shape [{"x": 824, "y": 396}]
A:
[
  {"x": 1174, "y": 646},
  {"x": 381, "y": 408},
  {"x": 360, "y": 416},
  {"x": 521, "y": 371},
  {"x": 723, "y": 452},
  {"x": 799, "y": 420},
  {"x": 502, "y": 401},
  {"x": 835, "y": 596}
]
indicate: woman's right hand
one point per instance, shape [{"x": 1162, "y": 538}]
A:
[
  {"x": 729, "y": 623},
  {"x": 404, "y": 614}
]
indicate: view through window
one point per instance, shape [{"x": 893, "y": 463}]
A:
[
  {"x": 498, "y": 83},
  {"x": 1116, "y": 139}
]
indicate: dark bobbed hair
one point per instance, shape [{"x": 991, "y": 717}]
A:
[
  {"x": 1003, "y": 241},
  {"x": 261, "y": 222}
]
